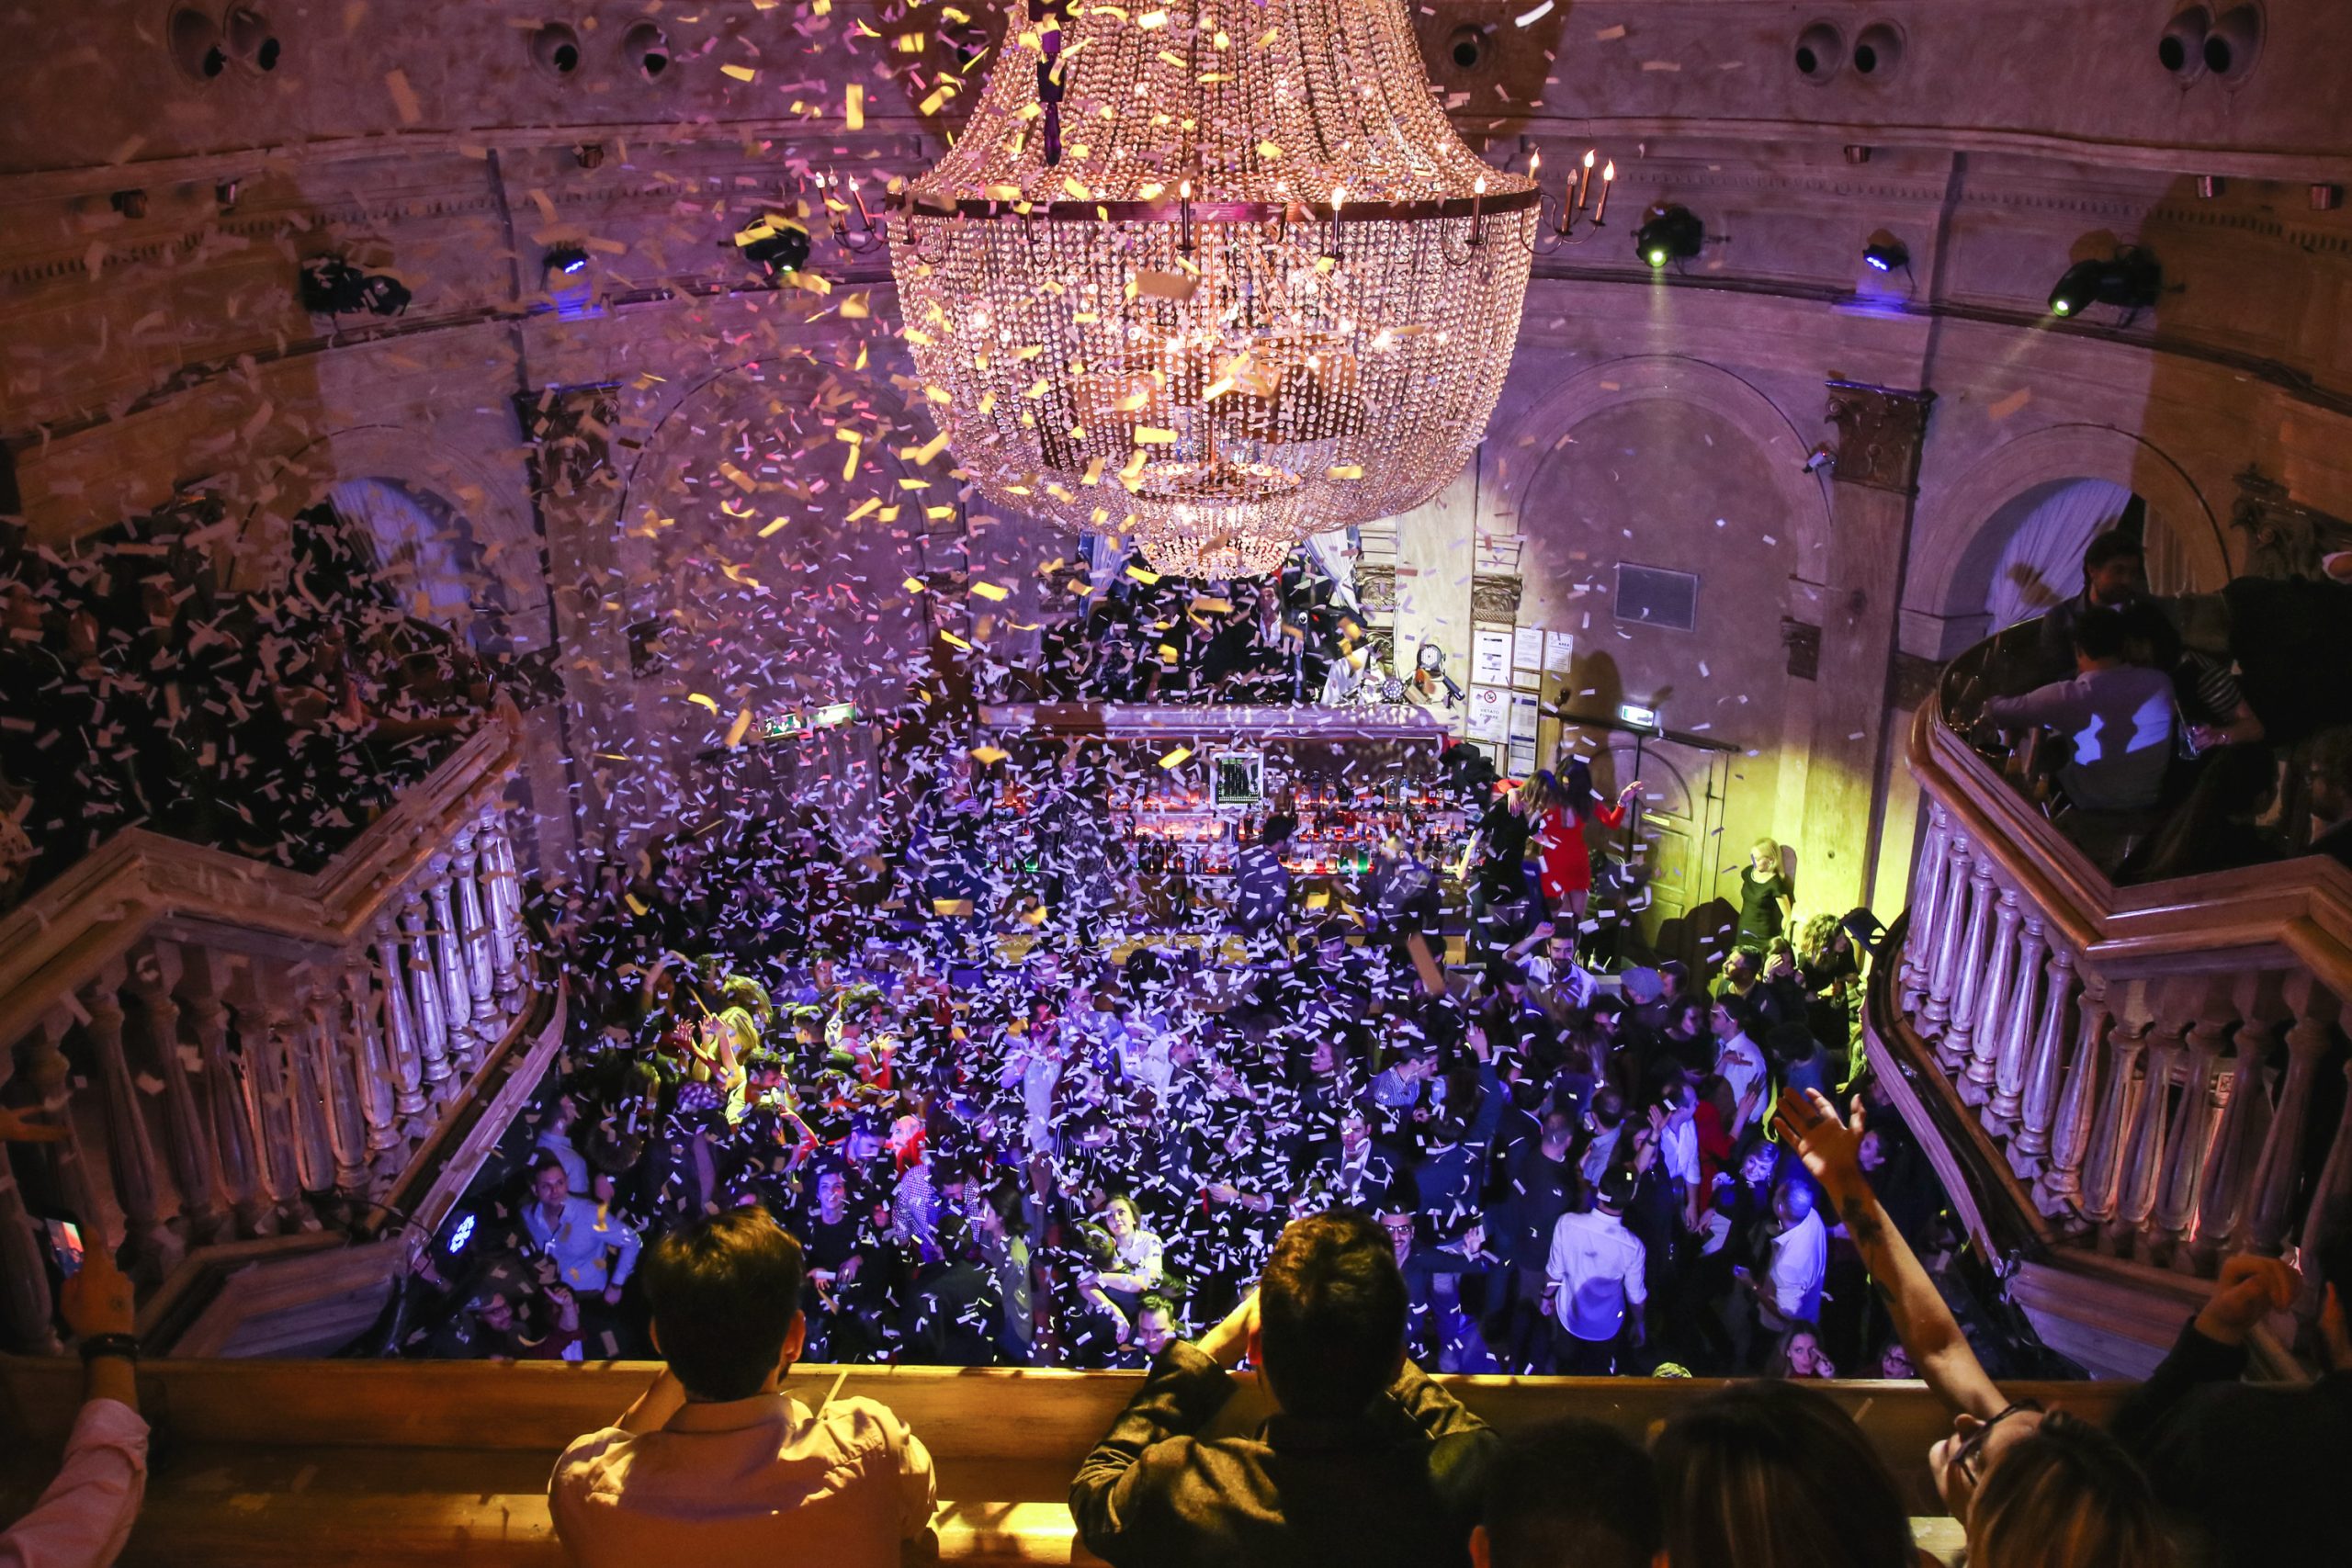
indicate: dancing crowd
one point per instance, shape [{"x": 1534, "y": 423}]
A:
[{"x": 1037, "y": 1149}]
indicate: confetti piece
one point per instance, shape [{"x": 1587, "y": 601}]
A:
[
  {"x": 853, "y": 107},
  {"x": 404, "y": 102},
  {"x": 1528, "y": 18},
  {"x": 1176, "y": 758},
  {"x": 988, "y": 591},
  {"x": 740, "y": 72}
]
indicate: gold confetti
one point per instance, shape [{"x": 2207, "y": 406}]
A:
[
  {"x": 987, "y": 589},
  {"x": 740, "y": 72},
  {"x": 1176, "y": 757},
  {"x": 853, "y": 108}
]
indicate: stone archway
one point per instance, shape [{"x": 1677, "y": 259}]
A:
[
  {"x": 1956, "y": 544},
  {"x": 1544, "y": 424}
]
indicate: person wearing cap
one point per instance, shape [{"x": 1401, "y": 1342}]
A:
[{"x": 1594, "y": 1275}]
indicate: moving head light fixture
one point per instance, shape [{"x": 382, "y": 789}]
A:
[
  {"x": 1669, "y": 233},
  {"x": 2130, "y": 279}
]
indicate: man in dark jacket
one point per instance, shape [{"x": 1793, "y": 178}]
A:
[
  {"x": 2253, "y": 1471},
  {"x": 1366, "y": 1462}
]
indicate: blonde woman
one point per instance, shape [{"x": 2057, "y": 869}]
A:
[{"x": 1766, "y": 899}]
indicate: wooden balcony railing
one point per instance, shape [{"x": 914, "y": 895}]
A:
[
  {"x": 390, "y": 1463},
  {"x": 237, "y": 1050},
  {"x": 2159, "y": 1068}
]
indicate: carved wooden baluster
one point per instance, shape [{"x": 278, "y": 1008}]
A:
[
  {"x": 2142, "y": 1161},
  {"x": 2203, "y": 1096},
  {"x": 2007, "y": 1004},
  {"x": 327, "y": 1040},
  {"x": 2120, "y": 1087},
  {"x": 371, "y": 1067},
  {"x": 2331, "y": 1202},
  {"x": 2017, "y": 1031},
  {"x": 2269, "y": 1210},
  {"x": 2246, "y": 1126},
  {"x": 25, "y": 1302},
  {"x": 204, "y": 986},
  {"x": 1976, "y": 1029},
  {"x": 1968, "y": 979},
  {"x": 1926, "y": 884},
  {"x": 425, "y": 995},
  {"x": 264, "y": 1025},
  {"x": 2044, "y": 1068},
  {"x": 1952, "y": 920},
  {"x": 188, "y": 1132},
  {"x": 308, "y": 1088},
  {"x": 2079, "y": 1101},
  {"x": 401, "y": 1050},
  {"x": 449, "y": 965},
  {"x": 51, "y": 1078},
  {"x": 503, "y": 893},
  {"x": 475, "y": 937},
  {"x": 148, "y": 1248}
]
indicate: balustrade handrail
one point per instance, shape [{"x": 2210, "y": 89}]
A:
[
  {"x": 2294, "y": 912},
  {"x": 139, "y": 881}
]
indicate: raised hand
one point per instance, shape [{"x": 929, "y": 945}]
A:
[
  {"x": 1830, "y": 1148},
  {"x": 2249, "y": 1290}
]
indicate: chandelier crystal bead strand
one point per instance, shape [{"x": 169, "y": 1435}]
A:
[{"x": 1219, "y": 279}]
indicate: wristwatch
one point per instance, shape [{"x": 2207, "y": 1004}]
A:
[{"x": 124, "y": 1345}]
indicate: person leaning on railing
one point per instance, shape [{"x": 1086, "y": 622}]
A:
[
  {"x": 84, "y": 1517},
  {"x": 2034, "y": 1489}
]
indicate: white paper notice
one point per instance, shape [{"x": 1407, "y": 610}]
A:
[
  {"x": 1527, "y": 655},
  {"x": 1559, "y": 652},
  {"x": 1490, "y": 655},
  {"x": 1490, "y": 713}
]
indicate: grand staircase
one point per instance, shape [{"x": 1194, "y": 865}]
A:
[
  {"x": 268, "y": 1080},
  {"x": 2120, "y": 1085}
]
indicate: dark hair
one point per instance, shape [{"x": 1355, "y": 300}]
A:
[
  {"x": 724, "y": 1292},
  {"x": 2102, "y": 633},
  {"x": 2067, "y": 1495},
  {"x": 1277, "y": 827},
  {"x": 2114, "y": 545},
  {"x": 1616, "y": 1188},
  {"x": 1331, "y": 1314},
  {"x": 1572, "y": 1491},
  {"x": 1770, "y": 1473},
  {"x": 543, "y": 1164}
]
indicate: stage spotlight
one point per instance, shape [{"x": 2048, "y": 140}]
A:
[
  {"x": 1887, "y": 255},
  {"x": 568, "y": 260},
  {"x": 1669, "y": 233},
  {"x": 775, "y": 244},
  {"x": 2130, "y": 279},
  {"x": 331, "y": 285}
]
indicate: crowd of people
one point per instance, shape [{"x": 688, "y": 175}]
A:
[
  {"x": 1071, "y": 1155},
  {"x": 2192, "y": 734},
  {"x": 138, "y": 690}
]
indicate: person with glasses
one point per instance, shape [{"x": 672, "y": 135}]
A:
[{"x": 2033, "y": 1488}]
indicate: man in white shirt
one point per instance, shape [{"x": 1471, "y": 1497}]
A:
[
  {"x": 1740, "y": 1061},
  {"x": 1594, "y": 1274},
  {"x": 715, "y": 1463},
  {"x": 592, "y": 1249},
  {"x": 1790, "y": 1291}
]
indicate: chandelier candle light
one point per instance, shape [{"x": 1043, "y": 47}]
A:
[{"x": 1218, "y": 278}]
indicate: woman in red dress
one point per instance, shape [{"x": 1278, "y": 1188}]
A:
[{"x": 1561, "y": 806}]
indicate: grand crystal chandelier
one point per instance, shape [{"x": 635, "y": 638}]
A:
[{"x": 1218, "y": 277}]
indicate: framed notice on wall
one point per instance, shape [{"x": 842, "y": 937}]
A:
[
  {"x": 1527, "y": 657},
  {"x": 1490, "y": 713},
  {"x": 1490, "y": 655},
  {"x": 1524, "y": 709}
]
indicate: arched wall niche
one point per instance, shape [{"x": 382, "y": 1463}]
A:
[
  {"x": 1549, "y": 421},
  {"x": 1959, "y": 529},
  {"x": 500, "y": 542}
]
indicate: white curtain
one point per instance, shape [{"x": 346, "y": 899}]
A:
[
  {"x": 419, "y": 546},
  {"x": 2041, "y": 563}
]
